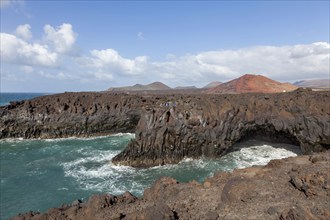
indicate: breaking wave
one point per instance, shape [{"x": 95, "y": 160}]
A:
[
  {"x": 95, "y": 171},
  {"x": 57, "y": 171}
]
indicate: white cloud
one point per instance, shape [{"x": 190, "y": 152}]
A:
[
  {"x": 140, "y": 36},
  {"x": 24, "y": 31},
  {"x": 15, "y": 50},
  {"x": 282, "y": 63},
  {"x": 286, "y": 63},
  {"x": 56, "y": 75},
  {"x": 111, "y": 61},
  {"x": 52, "y": 60},
  {"x": 62, "y": 38}
]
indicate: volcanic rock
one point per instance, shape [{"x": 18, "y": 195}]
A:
[
  {"x": 209, "y": 125},
  {"x": 72, "y": 114},
  {"x": 170, "y": 127}
]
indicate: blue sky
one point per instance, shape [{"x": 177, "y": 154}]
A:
[{"x": 56, "y": 46}]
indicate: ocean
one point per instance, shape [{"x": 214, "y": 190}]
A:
[
  {"x": 6, "y": 97},
  {"x": 40, "y": 174}
]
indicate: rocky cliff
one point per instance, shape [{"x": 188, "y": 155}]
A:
[
  {"x": 72, "y": 114},
  {"x": 171, "y": 127},
  {"x": 208, "y": 125},
  {"x": 288, "y": 189}
]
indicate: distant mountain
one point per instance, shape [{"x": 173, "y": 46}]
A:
[
  {"x": 138, "y": 87},
  {"x": 252, "y": 83},
  {"x": 212, "y": 84},
  {"x": 315, "y": 83},
  {"x": 185, "y": 87}
]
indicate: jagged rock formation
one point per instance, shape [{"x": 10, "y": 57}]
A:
[
  {"x": 72, "y": 114},
  {"x": 208, "y": 125},
  {"x": 171, "y": 127},
  {"x": 288, "y": 189},
  {"x": 252, "y": 83}
]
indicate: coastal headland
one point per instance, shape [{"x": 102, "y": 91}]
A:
[{"x": 170, "y": 127}]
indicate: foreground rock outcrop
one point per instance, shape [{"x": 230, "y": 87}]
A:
[
  {"x": 287, "y": 189},
  {"x": 209, "y": 125}
]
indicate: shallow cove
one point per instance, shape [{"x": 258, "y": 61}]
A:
[{"x": 40, "y": 174}]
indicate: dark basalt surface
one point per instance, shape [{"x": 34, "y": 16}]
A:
[
  {"x": 288, "y": 189},
  {"x": 173, "y": 126},
  {"x": 208, "y": 125},
  {"x": 72, "y": 114}
]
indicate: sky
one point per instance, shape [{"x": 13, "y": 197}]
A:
[{"x": 58, "y": 46}]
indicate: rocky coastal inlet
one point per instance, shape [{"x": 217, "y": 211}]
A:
[
  {"x": 287, "y": 189},
  {"x": 171, "y": 127}
]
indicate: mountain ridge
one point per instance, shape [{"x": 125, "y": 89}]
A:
[
  {"x": 139, "y": 87},
  {"x": 313, "y": 83}
]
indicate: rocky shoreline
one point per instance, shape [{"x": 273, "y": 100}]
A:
[
  {"x": 171, "y": 127},
  {"x": 209, "y": 126},
  {"x": 287, "y": 189}
]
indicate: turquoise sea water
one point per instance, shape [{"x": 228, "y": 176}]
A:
[
  {"x": 5, "y": 98},
  {"x": 40, "y": 174}
]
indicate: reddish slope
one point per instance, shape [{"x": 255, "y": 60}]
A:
[{"x": 252, "y": 83}]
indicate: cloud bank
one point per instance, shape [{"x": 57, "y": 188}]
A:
[{"x": 56, "y": 57}]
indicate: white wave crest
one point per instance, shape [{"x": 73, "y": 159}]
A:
[
  {"x": 259, "y": 155},
  {"x": 123, "y": 134},
  {"x": 93, "y": 170}
]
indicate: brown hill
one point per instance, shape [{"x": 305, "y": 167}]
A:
[
  {"x": 252, "y": 83},
  {"x": 185, "y": 87},
  {"x": 138, "y": 87}
]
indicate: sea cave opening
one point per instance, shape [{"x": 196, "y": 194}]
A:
[{"x": 267, "y": 135}]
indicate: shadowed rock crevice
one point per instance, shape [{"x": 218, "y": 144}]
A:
[{"x": 268, "y": 133}]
